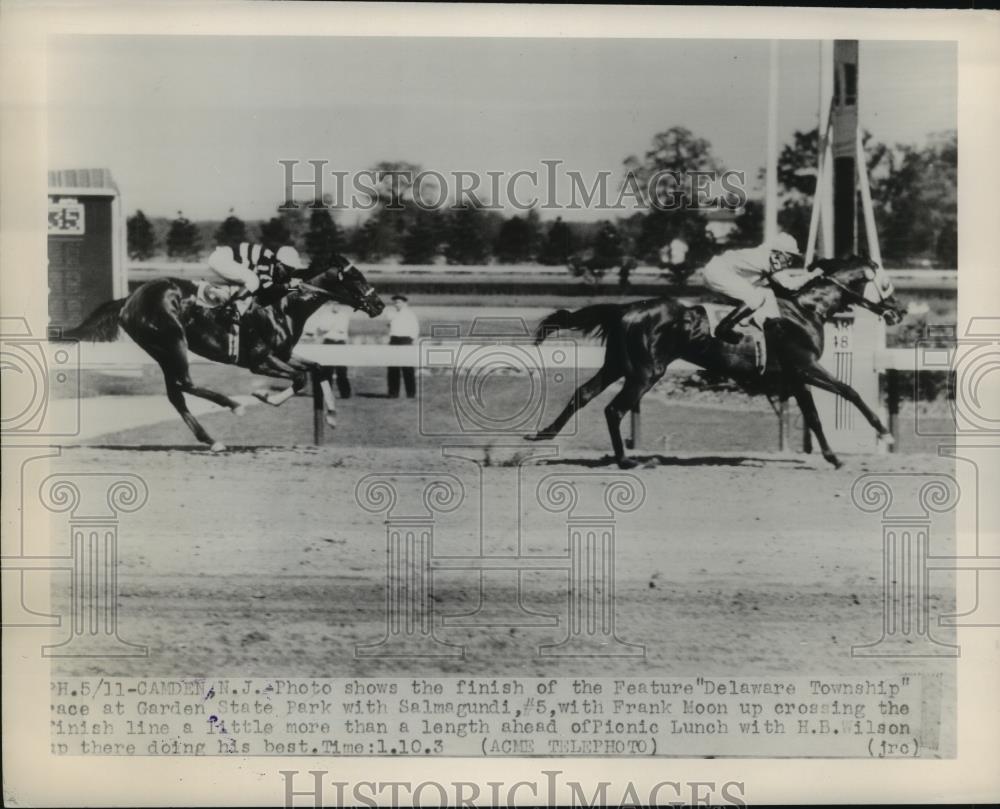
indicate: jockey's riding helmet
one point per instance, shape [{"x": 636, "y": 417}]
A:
[
  {"x": 785, "y": 243},
  {"x": 289, "y": 256}
]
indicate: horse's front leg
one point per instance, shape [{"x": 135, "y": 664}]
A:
[
  {"x": 272, "y": 366},
  {"x": 808, "y": 407},
  {"x": 816, "y": 374}
]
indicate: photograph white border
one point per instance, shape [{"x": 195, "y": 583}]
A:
[{"x": 33, "y": 777}]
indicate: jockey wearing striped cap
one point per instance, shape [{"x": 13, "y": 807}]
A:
[
  {"x": 745, "y": 275},
  {"x": 255, "y": 268}
]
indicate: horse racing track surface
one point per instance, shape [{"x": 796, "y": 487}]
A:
[{"x": 265, "y": 560}]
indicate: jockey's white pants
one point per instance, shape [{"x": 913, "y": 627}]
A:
[
  {"x": 221, "y": 260},
  {"x": 722, "y": 278}
]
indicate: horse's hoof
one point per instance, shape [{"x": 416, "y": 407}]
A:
[
  {"x": 833, "y": 459},
  {"x": 331, "y": 422},
  {"x": 218, "y": 446},
  {"x": 627, "y": 463},
  {"x": 239, "y": 410},
  {"x": 265, "y": 397},
  {"x": 887, "y": 439},
  {"x": 537, "y": 437}
]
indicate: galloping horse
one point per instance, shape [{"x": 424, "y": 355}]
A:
[
  {"x": 644, "y": 337},
  {"x": 165, "y": 317}
]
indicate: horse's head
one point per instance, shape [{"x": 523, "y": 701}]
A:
[
  {"x": 865, "y": 283},
  {"x": 346, "y": 284}
]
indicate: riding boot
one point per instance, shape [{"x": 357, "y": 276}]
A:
[{"x": 725, "y": 331}]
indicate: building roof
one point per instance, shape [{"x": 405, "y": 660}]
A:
[{"x": 79, "y": 179}]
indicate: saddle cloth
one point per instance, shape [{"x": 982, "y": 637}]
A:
[
  {"x": 747, "y": 329},
  {"x": 210, "y": 294},
  {"x": 213, "y": 295}
]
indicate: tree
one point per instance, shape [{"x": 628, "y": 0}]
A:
[
  {"x": 515, "y": 243},
  {"x": 559, "y": 244},
  {"x": 363, "y": 242},
  {"x": 141, "y": 239},
  {"x": 916, "y": 202},
  {"x": 749, "y": 226},
  {"x": 667, "y": 179},
  {"x": 293, "y": 219},
  {"x": 396, "y": 211},
  {"x": 183, "y": 239},
  {"x": 324, "y": 239},
  {"x": 231, "y": 232},
  {"x": 467, "y": 236},
  {"x": 394, "y": 182},
  {"x": 607, "y": 246},
  {"x": 673, "y": 160},
  {"x": 914, "y": 195},
  {"x": 274, "y": 234},
  {"x": 797, "y": 172},
  {"x": 653, "y": 230},
  {"x": 422, "y": 240}
]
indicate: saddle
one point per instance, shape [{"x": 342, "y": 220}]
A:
[
  {"x": 212, "y": 295},
  {"x": 752, "y": 338}
]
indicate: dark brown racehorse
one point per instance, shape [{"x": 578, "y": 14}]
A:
[
  {"x": 165, "y": 317},
  {"x": 644, "y": 337}
]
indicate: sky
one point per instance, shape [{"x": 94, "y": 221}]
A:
[{"x": 199, "y": 123}]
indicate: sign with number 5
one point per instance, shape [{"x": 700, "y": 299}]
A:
[{"x": 66, "y": 218}]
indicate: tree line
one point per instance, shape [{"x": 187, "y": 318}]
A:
[{"x": 914, "y": 191}]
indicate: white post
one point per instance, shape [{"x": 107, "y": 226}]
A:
[
  {"x": 771, "y": 186},
  {"x": 824, "y": 182},
  {"x": 822, "y": 170},
  {"x": 871, "y": 234}
]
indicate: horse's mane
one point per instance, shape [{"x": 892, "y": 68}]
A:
[{"x": 829, "y": 266}]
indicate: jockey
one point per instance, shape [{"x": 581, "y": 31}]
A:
[
  {"x": 744, "y": 275},
  {"x": 255, "y": 268}
]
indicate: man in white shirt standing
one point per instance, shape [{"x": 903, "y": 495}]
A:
[
  {"x": 330, "y": 325},
  {"x": 404, "y": 328}
]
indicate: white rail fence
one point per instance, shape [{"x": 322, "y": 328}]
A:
[
  {"x": 858, "y": 364},
  {"x": 138, "y": 272}
]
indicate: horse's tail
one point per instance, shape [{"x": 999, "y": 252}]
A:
[
  {"x": 595, "y": 320},
  {"x": 102, "y": 324}
]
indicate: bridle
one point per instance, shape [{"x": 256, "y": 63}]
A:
[
  {"x": 879, "y": 307},
  {"x": 326, "y": 293}
]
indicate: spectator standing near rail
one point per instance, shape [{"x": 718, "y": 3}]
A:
[
  {"x": 331, "y": 325},
  {"x": 404, "y": 328},
  {"x": 673, "y": 256}
]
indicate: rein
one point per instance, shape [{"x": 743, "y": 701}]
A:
[
  {"x": 855, "y": 296},
  {"x": 312, "y": 288}
]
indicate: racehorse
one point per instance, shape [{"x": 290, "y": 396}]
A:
[
  {"x": 644, "y": 337},
  {"x": 166, "y": 318}
]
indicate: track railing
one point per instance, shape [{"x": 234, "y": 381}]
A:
[{"x": 110, "y": 357}]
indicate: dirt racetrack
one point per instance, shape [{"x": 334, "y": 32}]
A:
[{"x": 260, "y": 562}]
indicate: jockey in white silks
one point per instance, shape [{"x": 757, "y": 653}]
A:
[
  {"x": 744, "y": 276},
  {"x": 255, "y": 268}
]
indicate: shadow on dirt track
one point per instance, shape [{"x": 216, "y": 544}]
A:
[{"x": 652, "y": 461}]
